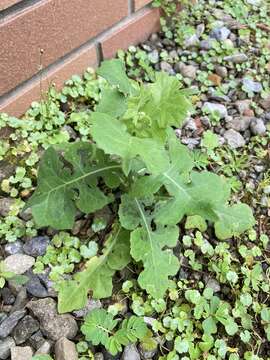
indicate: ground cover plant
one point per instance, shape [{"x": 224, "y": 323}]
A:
[{"x": 126, "y": 204}]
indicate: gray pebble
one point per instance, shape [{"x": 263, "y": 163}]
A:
[
  {"x": 52, "y": 325},
  {"x": 35, "y": 287},
  {"x": 19, "y": 263},
  {"x": 36, "y": 246},
  {"x": 252, "y": 86},
  {"x": 220, "y": 34},
  {"x": 7, "y": 296},
  {"x": 91, "y": 305},
  {"x": 14, "y": 248},
  {"x": 236, "y": 58},
  {"x": 24, "y": 329},
  {"x": 10, "y": 322},
  {"x": 130, "y": 353},
  {"x": 21, "y": 353},
  {"x": 257, "y": 127},
  {"x": 240, "y": 123},
  {"x": 5, "y": 346},
  {"x": 214, "y": 107},
  {"x": 65, "y": 350},
  {"x": 234, "y": 139}
]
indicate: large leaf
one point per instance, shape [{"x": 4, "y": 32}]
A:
[
  {"x": 112, "y": 137},
  {"x": 114, "y": 72},
  {"x": 67, "y": 181},
  {"x": 112, "y": 102},
  {"x": 97, "y": 277},
  {"x": 193, "y": 193},
  {"x": 150, "y": 246}
]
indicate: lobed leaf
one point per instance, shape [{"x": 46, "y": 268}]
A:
[
  {"x": 150, "y": 247},
  {"x": 67, "y": 181},
  {"x": 97, "y": 277}
]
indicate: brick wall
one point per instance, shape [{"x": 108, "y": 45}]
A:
[{"x": 47, "y": 41}]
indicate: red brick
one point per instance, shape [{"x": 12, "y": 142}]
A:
[
  {"x": 57, "y": 27},
  {"x": 4, "y": 4},
  {"x": 20, "y": 101},
  {"x": 131, "y": 32},
  {"x": 138, "y": 4}
]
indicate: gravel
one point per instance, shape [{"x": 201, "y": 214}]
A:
[
  {"x": 52, "y": 325},
  {"x": 10, "y": 322},
  {"x": 130, "y": 353},
  {"x": 25, "y": 328},
  {"x": 234, "y": 139},
  {"x": 65, "y": 350},
  {"x": 19, "y": 263},
  {"x": 257, "y": 127},
  {"x": 5, "y": 346},
  {"x": 36, "y": 246}
]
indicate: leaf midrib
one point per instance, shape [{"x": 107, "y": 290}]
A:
[{"x": 82, "y": 177}]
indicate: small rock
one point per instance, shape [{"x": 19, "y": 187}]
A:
[
  {"x": 91, "y": 305},
  {"x": 241, "y": 123},
  {"x": 18, "y": 263},
  {"x": 220, "y": 34},
  {"x": 10, "y": 322},
  {"x": 236, "y": 58},
  {"x": 36, "y": 340},
  {"x": 206, "y": 45},
  {"x": 190, "y": 125},
  {"x": 213, "y": 284},
  {"x": 34, "y": 286},
  {"x": 44, "y": 349},
  {"x": 149, "y": 320},
  {"x": 36, "y": 246},
  {"x": 20, "y": 301},
  {"x": 190, "y": 142},
  {"x": 5, "y": 205},
  {"x": 192, "y": 41},
  {"x": 5, "y": 347},
  {"x": 7, "y": 296},
  {"x": 52, "y": 325},
  {"x": 165, "y": 66},
  {"x": 21, "y": 353},
  {"x": 200, "y": 30},
  {"x": 46, "y": 281},
  {"x": 98, "y": 356},
  {"x": 221, "y": 71},
  {"x": 65, "y": 350},
  {"x": 153, "y": 56},
  {"x": 188, "y": 71},
  {"x": 130, "y": 353},
  {"x": 257, "y": 127},
  {"x": 14, "y": 248},
  {"x": 3, "y": 316},
  {"x": 215, "y": 79},
  {"x": 243, "y": 105},
  {"x": 234, "y": 139},
  {"x": 147, "y": 354},
  {"x": 265, "y": 103},
  {"x": 213, "y": 107},
  {"x": 25, "y": 328},
  {"x": 252, "y": 86}
]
